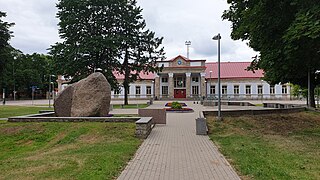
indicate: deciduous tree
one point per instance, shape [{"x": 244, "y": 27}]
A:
[{"x": 286, "y": 33}]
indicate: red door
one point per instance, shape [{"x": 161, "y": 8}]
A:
[{"x": 179, "y": 93}]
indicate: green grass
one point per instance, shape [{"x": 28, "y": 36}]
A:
[
  {"x": 10, "y": 111},
  {"x": 65, "y": 150},
  {"x": 129, "y": 106},
  {"x": 271, "y": 146}
]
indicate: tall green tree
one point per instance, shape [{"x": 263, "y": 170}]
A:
[
  {"x": 139, "y": 49},
  {"x": 88, "y": 29},
  {"x": 105, "y": 34},
  {"x": 5, "y": 48},
  {"x": 285, "y": 32}
]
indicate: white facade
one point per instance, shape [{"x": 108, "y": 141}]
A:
[{"x": 281, "y": 91}]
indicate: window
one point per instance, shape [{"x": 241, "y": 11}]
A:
[
  {"x": 236, "y": 89},
  {"x": 195, "y": 90},
  {"x": 148, "y": 90},
  {"x": 195, "y": 79},
  {"x": 212, "y": 89},
  {"x": 179, "y": 82},
  {"x": 284, "y": 89},
  {"x": 260, "y": 91},
  {"x": 138, "y": 90},
  {"x": 164, "y": 79},
  {"x": 165, "y": 90},
  {"x": 224, "y": 89},
  {"x": 271, "y": 89},
  {"x": 248, "y": 89}
]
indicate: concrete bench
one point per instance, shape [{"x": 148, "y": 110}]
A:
[
  {"x": 144, "y": 127},
  {"x": 201, "y": 125}
]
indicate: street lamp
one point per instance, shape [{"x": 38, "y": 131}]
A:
[
  {"x": 50, "y": 91},
  {"x": 210, "y": 84},
  {"x": 14, "y": 79},
  {"x": 218, "y": 37},
  {"x": 188, "y": 43}
]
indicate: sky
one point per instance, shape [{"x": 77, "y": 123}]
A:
[{"x": 177, "y": 21}]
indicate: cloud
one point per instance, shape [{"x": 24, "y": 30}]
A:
[{"x": 177, "y": 21}]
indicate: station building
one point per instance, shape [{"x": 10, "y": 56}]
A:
[{"x": 183, "y": 78}]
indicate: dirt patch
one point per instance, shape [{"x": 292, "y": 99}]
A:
[
  {"x": 25, "y": 142},
  {"x": 90, "y": 138},
  {"x": 11, "y": 130}
]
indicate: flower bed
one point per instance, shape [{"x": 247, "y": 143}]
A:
[{"x": 170, "y": 104}]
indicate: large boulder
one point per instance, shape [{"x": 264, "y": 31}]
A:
[
  {"x": 90, "y": 97},
  {"x": 63, "y": 102}
]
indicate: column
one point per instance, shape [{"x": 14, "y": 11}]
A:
[
  {"x": 203, "y": 84},
  {"x": 157, "y": 87},
  {"x": 171, "y": 86},
  {"x": 188, "y": 85}
]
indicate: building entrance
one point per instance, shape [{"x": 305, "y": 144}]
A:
[{"x": 180, "y": 93}]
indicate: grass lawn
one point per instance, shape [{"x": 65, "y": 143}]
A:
[
  {"x": 271, "y": 146},
  {"x": 65, "y": 150},
  {"x": 129, "y": 106},
  {"x": 9, "y": 111}
]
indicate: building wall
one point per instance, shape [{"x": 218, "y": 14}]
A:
[{"x": 253, "y": 83}]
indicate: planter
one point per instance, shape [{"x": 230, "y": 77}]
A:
[
  {"x": 179, "y": 110},
  {"x": 170, "y": 104}
]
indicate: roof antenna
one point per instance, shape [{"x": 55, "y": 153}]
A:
[{"x": 188, "y": 43}]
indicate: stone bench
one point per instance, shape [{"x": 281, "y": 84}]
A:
[
  {"x": 201, "y": 125},
  {"x": 144, "y": 127}
]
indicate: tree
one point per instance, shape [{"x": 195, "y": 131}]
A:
[
  {"x": 25, "y": 71},
  {"x": 89, "y": 30},
  {"x": 139, "y": 48},
  {"x": 287, "y": 35},
  {"x": 5, "y": 48}
]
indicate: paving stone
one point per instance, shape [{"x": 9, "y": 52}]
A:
[{"x": 174, "y": 151}]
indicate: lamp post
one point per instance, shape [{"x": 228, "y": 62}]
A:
[
  {"x": 218, "y": 37},
  {"x": 210, "y": 84},
  {"x": 188, "y": 43},
  {"x": 14, "y": 79}
]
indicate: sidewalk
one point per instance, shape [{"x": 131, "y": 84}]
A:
[{"x": 174, "y": 151}]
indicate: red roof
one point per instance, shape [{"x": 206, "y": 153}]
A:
[
  {"x": 231, "y": 70},
  {"x": 145, "y": 76}
]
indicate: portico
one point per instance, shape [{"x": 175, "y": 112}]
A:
[{"x": 181, "y": 78}]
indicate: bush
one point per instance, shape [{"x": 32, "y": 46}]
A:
[{"x": 176, "y": 105}]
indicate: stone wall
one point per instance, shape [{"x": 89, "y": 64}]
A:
[
  {"x": 235, "y": 113},
  {"x": 144, "y": 127}
]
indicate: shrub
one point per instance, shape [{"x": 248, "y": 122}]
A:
[{"x": 176, "y": 105}]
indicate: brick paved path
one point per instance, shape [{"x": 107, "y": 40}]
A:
[{"x": 174, "y": 151}]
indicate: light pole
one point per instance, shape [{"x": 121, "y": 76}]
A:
[
  {"x": 14, "y": 80},
  {"x": 210, "y": 84},
  {"x": 218, "y": 37},
  {"x": 188, "y": 43}
]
